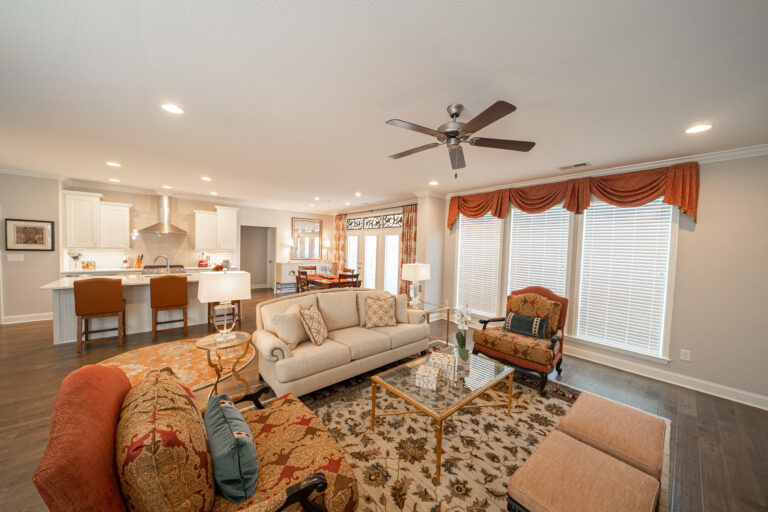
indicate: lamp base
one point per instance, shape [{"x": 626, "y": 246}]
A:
[{"x": 224, "y": 332}]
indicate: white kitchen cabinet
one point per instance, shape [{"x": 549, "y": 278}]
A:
[
  {"x": 226, "y": 228},
  {"x": 115, "y": 226},
  {"x": 205, "y": 230},
  {"x": 81, "y": 228}
]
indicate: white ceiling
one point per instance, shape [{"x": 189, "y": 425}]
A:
[{"x": 287, "y": 100}]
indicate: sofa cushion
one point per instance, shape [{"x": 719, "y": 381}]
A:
[
  {"x": 309, "y": 359},
  {"x": 404, "y": 334},
  {"x": 401, "y": 308},
  {"x": 161, "y": 448},
  {"x": 233, "y": 454},
  {"x": 379, "y": 312},
  {"x": 362, "y": 342},
  {"x": 314, "y": 324},
  {"x": 289, "y": 327},
  {"x": 339, "y": 309},
  {"x": 361, "y": 296},
  {"x": 622, "y": 432},
  {"x": 525, "y": 347},
  {"x": 293, "y": 444},
  {"x": 78, "y": 469},
  {"x": 565, "y": 474},
  {"x": 282, "y": 305},
  {"x": 533, "y": 304}
]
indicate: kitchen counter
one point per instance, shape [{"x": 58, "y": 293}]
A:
[
  {"x": 129, "y": 271},
  {"x": 135, "y": 279}
]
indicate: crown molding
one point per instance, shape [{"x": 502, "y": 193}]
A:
[
  {"x": 703, "y": 158},
  {"x": 32, "y": 174}
]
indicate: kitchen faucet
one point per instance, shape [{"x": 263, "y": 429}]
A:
[{"x": 167, "y": 262}]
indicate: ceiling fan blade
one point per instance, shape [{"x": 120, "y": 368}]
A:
[
  {"x": 488, "y": 116},
  {"x": 514, "y": 145},
  {"x": 414, "y": 150},
  {"x": 457, "y": 157},
  {"x": 415, "y": 127}
]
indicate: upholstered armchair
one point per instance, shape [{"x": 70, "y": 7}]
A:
[{"x": 528, "y": 353}]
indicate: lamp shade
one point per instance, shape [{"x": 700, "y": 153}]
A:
[
  {"x": 224, "y": 286},
  {"x": 415, "y": 272}
]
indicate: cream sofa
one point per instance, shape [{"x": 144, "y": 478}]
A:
[{"x": 350, "y": 349}]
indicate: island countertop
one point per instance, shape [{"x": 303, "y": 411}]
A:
[{"x": 67, "y": 283}]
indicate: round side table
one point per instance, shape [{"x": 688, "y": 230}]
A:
[{"x": 212, "y": 345}]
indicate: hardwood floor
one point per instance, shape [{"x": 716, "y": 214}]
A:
[{"x": 719, "y": 449}]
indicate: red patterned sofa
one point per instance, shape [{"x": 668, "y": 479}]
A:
[
  {"x": 300, "y": 465},
  {"x": 540, "y": 355}
]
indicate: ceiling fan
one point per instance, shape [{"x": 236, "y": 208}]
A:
[{"x": 454, "y": 132}]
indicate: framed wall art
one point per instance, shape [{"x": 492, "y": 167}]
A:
[{"x": 29, "y": 235}]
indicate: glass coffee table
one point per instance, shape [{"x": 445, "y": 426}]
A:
[{"x": 470, "y": 380}]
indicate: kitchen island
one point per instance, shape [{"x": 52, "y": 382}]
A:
[{"x": 138, "y": 313}]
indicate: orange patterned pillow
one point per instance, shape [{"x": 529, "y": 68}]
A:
[
  {"x": 380, "y": 312},
  {"x": 313, "y": 324}
]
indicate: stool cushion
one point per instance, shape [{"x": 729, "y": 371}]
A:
[
  {"x": 536, "y": 350},
  {"x": 98, "y": 296},
  {"x": 564, "y": 474},
  {"x": 168, "y": 291},
  {"x": 622, "y": 432}
]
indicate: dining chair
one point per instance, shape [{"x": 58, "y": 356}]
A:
[
  {"x": 347, "y": 271},
  {"x": 311, "y": 269},
  {"x": 302, "y": 282},
  {"x": 349, "y": 280}
]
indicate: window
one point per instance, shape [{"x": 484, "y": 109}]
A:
[
  {"x": 351, "y": 250},
  {"x": 538, "y": 249},
  {"x": 479, "y": 260},
  {"x": 369, "y": 262},
  {"x": 624, "y": 274},
  {"x": 391, "y": 263}
]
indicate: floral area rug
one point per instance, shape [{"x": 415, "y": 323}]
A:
[
  {"x": 395, "y": 465},
  {"x": 188, "y": 362}
]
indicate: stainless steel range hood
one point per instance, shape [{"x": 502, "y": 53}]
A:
[{"x": 163, "y": 226}]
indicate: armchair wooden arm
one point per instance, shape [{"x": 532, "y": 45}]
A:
[
  {"x": 254, "y": 395},
  {"x": 558, "y": 337},
  {"x": 300, "y": 492},
  {"x": 485, "y": 323}
]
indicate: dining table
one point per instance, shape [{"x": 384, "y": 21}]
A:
[{"x": 327, "y": 280}]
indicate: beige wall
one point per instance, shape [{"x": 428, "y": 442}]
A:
[
  {"x": 35, "y": 199},
  {"x": 719, "y": 307},
  {"x": 253, "y": 253}
]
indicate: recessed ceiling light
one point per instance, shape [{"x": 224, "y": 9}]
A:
[
  {"x": 698, "y": 128},
  {"x": 113, "y": 164},
  {"x": 206, "y": 178},
  {"x": 317, "y": 199},
  {"x": 312, "y": 205},
  {"x": 114, "y": 180},
  {"x": 173, "y": 109},
  {"x": 214, "y": 193},
  {"x": 167, "y": 187},
  {"x": 347, "y": 203},
  {"x": 433, "y": 183},
  {"x": 358, "y": 194}
]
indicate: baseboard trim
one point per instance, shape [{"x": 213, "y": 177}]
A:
[
  {"x": 644, "y": 370},
  {"x": 32, "y": 317},
  {"x": 258, "y": 286}
]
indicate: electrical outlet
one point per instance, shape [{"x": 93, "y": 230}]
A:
[
  {"x": 685, "y": 355},
  {"x": 15, "y": 257}
]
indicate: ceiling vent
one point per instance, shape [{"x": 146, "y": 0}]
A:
[{"x": 574, "y": 166}]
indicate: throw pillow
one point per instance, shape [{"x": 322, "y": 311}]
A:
[
  {"x": 161, "y": 449},
  {"x": 288, "y": 327},
  {"x": 361, "y": 296},
  {"x": 533, "y": 304},
  {"x": 314, "y": 324},
  {"x": 233, "y": 454},
  {"x": 379, "y": 312},
  {"x": 528, "y": 325}
]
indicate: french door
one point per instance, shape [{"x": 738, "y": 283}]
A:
[{"x": 375, "y": 254}]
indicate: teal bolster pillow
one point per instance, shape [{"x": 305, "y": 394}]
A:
[
  {"x": 233, "y": 454},
  {"x": 521, "y": 324}
]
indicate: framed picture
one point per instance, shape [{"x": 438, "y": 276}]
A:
[
  {"x": 307, "y": 236},
  {"x": 29, "y": 235}
]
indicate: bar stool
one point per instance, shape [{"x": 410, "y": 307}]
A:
[
  {"x": 212, "y": 317},
  {"x": 97, "y": 298},
  {"x": 168, "y": 293}
]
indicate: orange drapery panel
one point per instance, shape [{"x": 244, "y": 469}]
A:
[{"x": 679, "y": 184}]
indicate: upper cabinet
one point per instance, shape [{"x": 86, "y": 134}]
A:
[
  {"x": 205, "y": 230},
  {"x": 115, "y": 225},
  {"x": 226, "y": 228},
  {"x": 82, "y": 220}
]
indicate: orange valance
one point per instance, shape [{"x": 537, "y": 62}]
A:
[{"x": 679, "y": 184}]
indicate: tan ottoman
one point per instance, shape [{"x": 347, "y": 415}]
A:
[
  {"x": 629, "y": 435},
  {"x": 564, "y": 474}
]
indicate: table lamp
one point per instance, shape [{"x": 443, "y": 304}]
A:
[
  {"x": 224, "y": 287},
  {"x": 415, "y": 273}
]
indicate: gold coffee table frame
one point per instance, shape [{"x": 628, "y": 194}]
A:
[
  {"x": 210, "y": 344},
  {"x": 438, "y": 417}
]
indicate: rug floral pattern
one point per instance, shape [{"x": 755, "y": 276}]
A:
[
  {"x": 395, "y": 465},
  {"x": 188, "y": 362}
]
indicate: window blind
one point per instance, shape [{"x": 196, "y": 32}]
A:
[
  {"x": 479, "y": 258},
  {"x": 624, "y": 274},
  {"x": 538, "y": 249}
]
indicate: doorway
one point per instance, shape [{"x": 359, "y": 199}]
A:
[
  {"x": 257, "y": 249},
  {"x": 375, "y": 254}
]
